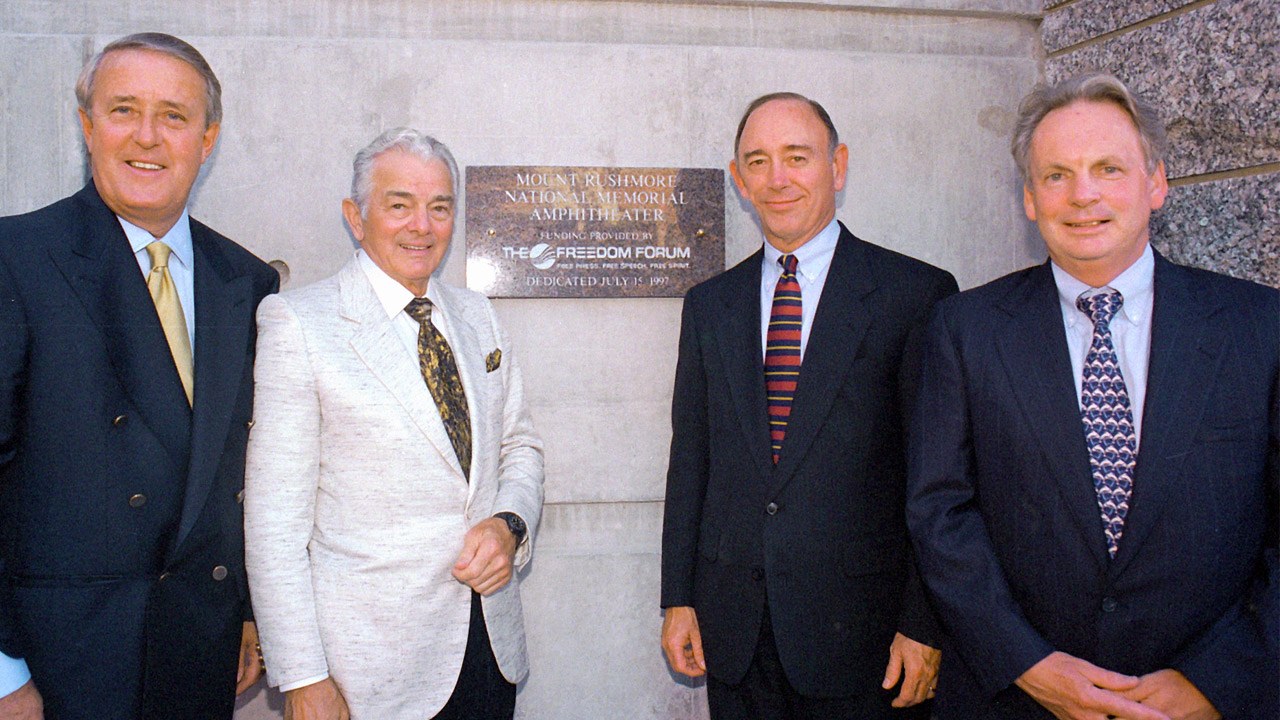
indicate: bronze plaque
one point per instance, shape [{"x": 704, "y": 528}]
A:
[{"x": 593, "y": 231}]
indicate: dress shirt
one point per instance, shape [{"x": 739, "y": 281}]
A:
[
  {"x": 393, "y": 297},
  {"x": 1130, "y": 328},
  {"x": 181, "y": 264},
  {"x": 13, "y": 674},
  {"x": 813, "y": 261}
]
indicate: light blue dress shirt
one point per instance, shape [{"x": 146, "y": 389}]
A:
[
  {"x": 1130, "y": 328},
  {"x": 813, "y": 260}
]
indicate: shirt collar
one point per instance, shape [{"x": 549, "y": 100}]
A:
[
  {"x": 391, "y": 294},
  {"x": 1134, "y": 284},
  {"x": 178, "y": 239},
  {"x": 813, "y": 257}
]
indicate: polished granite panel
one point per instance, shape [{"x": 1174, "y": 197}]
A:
[
  {"x": 1229, "y": 226},
  {"x": 1213, "y": 75},
  {"x": 1079, "y": 21}
]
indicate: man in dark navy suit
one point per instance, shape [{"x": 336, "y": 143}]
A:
[
  {"x": 1095, "y": 452},
  {"x": 126, "y": 393},
  {"x": 787, "y": 576}
]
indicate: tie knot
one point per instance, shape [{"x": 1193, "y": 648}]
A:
[
  {"x": 419, "y": 309},
  {"x": 1101, "y": 307},
  {"x": 159, "y": 254},
  {"x": 789, "y": 264}
]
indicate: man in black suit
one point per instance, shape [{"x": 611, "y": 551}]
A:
[
  {"x": 1096, "y": 450},
  {"x": 126, "y": 392},
  {"x": 784, "y": 552}
]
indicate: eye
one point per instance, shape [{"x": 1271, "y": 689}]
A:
[
  {"x": 441, "y": 212},
  {"x": 755, "y": 162},
  {"x": 1053, "y": 177},
  {"x": 121, "y": 110},
  {"x": 1110, "y": 169},
  {"x": 174, "y": 117},
  {"x": 798, "y": 159}
]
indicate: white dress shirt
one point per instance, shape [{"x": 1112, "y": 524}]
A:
[
  {"x": 813, "y": 260},
  {"x": 1130, "y": 328}
]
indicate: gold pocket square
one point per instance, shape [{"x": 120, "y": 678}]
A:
[{"x": 493, "y": 361}]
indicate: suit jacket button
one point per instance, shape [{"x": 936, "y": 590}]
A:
[
  {"x": 1109, "y": 604},
  {"x": 120, "y": 420},
  {"x": 220, "y": 573},
  {"x": 771, "y": 508},
  {"x": 240, "y": 497},
  {"x": 137, "y": 501},
  {"x": 248, "y": 425}
]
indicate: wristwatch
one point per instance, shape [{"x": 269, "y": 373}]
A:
[{"x": 515, "y": 524}]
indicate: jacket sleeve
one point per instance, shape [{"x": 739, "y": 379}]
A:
[
  {"x": 688, "y": 467},
  {"x": 520, "y": 461},
  {"x": 281, "y": 477}
]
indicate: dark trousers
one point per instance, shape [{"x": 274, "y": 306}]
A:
[
  {"x": 482, "y": 693},
  {"x": 766, "y": 694}
]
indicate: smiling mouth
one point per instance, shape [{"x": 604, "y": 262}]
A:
[
  {"x": 143, "y": 165},
  {"x": 415, "y": 248},
  {"x": 1087, "y": 224}
]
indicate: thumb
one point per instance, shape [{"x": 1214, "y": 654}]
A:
[
  {"x": 893, "y": 671},
  {"x": 469, "y": 547}
]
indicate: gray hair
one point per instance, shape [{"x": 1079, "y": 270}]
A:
[
  {"x": 403, "y": 139},
  {"x": 1092, "y": 87},
  {"x": 161, "y": 43},
  {"x": 833, "y": 138}
]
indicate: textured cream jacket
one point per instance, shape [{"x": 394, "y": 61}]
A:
[{"x": 355, "y": 505}]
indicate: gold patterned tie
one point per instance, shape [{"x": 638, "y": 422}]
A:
[
  {"x": 169, "y": 307},
  {"x": 440, "y": 372}
]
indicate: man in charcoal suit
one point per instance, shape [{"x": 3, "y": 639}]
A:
[{"x": 786, "y": 572}]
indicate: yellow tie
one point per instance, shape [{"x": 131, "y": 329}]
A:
[{"x": 169, "y": 308}]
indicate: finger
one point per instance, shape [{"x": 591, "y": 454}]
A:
[
  {"x": 893, "y": 670},
  {"x": 695, "y": 645},
  {"x": 1107, "y": 679}
]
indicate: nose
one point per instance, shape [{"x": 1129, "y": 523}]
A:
[
  {"x": 778, "y": 176},
  {"x": 1084, "y": 190},
  {"x": 145, "y": 132},
  {"x": 420, "y": 221}
]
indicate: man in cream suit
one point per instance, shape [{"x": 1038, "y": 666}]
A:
[{"x": 394, "y": 478}]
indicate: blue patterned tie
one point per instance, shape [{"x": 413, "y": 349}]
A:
[{"x": 1108, "y": 419}]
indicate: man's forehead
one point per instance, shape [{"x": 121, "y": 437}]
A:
[{"x": 795, "y": 120}]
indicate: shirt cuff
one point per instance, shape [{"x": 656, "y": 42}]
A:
[
  {"x": 286, "y": 687},
  {"x": 13, "y": 674}
]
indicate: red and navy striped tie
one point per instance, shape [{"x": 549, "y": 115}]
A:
[{"x": 782, "y": 352}]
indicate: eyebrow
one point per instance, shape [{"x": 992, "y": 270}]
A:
[
  {"x": 134, "y": 98},
  {"x": 785, "y": 148},
  {"x": 410, "y": 196}
]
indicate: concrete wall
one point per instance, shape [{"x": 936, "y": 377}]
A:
[
  {"x": 924, "y": 92},
  {"x": 1210, "y": 67}
]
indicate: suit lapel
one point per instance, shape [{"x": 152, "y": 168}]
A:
[
  {"x": 380, "y": 349},
  {"x": 224, "y": 316},
  {"x": 469, "y": 357},
  {"x": 1186, "y": 350},
  {"x": 737, "y": 334},
  {"x": 838, "y": 328},
  {"x": 104, "y": 276},
  {"x": 1032, "y": 345}
]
